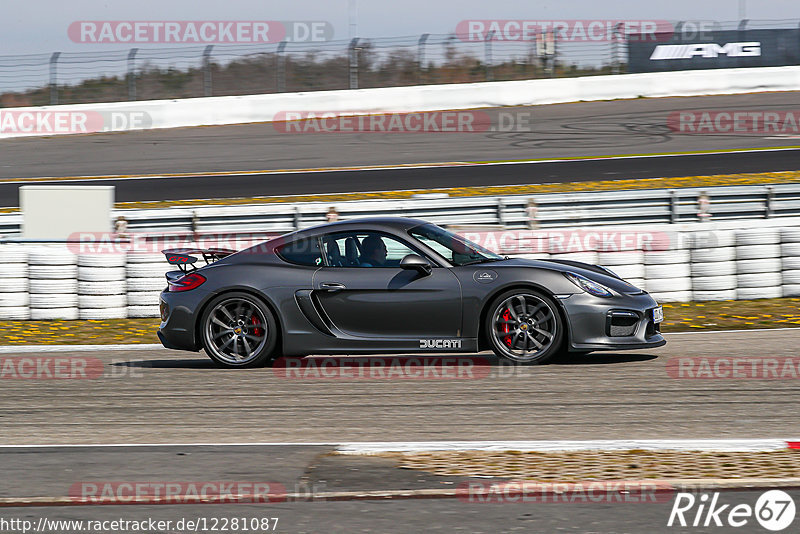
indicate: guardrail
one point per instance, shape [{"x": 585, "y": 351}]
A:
[
  {"x": 672, "y": 262},
  {"x": 647, "y": 206}
]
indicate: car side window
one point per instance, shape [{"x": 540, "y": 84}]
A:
[
  {"x": 301, "y": 252},
  {"x": 364, "y": 249}
]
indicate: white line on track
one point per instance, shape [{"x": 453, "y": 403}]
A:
[
  {"x": 742, "y": 330},
  {"x": 26, "y": 349},
  {"x": 741, "y": 445},
  {"x": 374, "y": 447}
]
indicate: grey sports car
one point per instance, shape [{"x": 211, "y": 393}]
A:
[{"x": 394, "y": 285}]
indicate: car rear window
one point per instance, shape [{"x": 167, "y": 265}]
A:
[{"x": 301, "y": 252}]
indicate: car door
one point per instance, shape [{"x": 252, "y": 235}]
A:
[{"x": 364, "y": 298}]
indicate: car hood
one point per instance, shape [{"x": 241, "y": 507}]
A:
[{"x": 592, "y": 272}]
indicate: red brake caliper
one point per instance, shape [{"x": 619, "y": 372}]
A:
[
  {"x": 506, "y": 327},
  {"x": 256, "y": 331}
]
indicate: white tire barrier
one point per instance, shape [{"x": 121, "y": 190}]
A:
[
  {"x": 713, "y": 268},
  {"x": 758, "y": 280},
  {"x": 790, "y": 235},
  {"x": 102, "y": 288},
  {"x": 102, "y": 301},
  {"x": 15, "y": 313},
  {"x": 725, "y": 294},
  {"x": 754, "y": 252},
  {"x": 609, "y": 259},
  {"x": 584, "y": 257},
  {"x": 790, "y": 263},
  {"x": 705, "y": 255},
  {"x": 51, "y": 256},
  {"x": 754, "y": 293},
  {"x": 13, "y": 270},
  {"x": 103, "y": 313},
  {"x": 143, "y": 311},
  {"x": 676, "y": 270},
  {"x": 760, "y": 236},
  {"x": 712, "y": 239},
  {"x": 13, "y": 254},
  {"x": 672, "y": 296},
  {"x": 790, "y": 249},
  {"x": 791, "y": 290},
  {"x": 763, "y": 265},
  {"x": 668, "y": 285},
  {"x": 144, "y": 257},
  {"x": 11, "y": 285},
  {"x": 54, "y": 314},
  {"x": 635, "y": 270},
  {"x": 714, "y": 283},
  {"x": 101, "y": 274},
  {"x": 667, "y": 257},
  {"x": 143, "y": 298},
  {"x": 53, "y": 272},
  {"x": 50, "y": 300},
  {"x": 54, "y": 286},
  {"x": 16, "y": 300},
  {"x": 148, "y": 270},
  {"x": 101, "y": 260},
  {"x": 791, "y": 277},
  {"x": 146, "y": 284}
]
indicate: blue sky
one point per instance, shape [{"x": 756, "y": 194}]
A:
[{"x": 40, "y": 26}]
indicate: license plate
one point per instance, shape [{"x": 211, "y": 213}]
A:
[{"x": 658, "y": 314}]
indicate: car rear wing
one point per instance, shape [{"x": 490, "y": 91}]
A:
[{"x": 185, "y": 258}]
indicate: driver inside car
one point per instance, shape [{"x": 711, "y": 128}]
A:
[{"x": 373, "y": 252}]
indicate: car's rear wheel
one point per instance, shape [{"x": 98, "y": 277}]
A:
[
  {"x": 524, "y": 326},
  {"x": 239, "y": 330}
]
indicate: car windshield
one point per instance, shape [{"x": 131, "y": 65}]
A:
[{"x": 452, "y": 247}]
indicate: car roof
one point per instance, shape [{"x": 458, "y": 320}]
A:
[{"x": 361, "y": 223}]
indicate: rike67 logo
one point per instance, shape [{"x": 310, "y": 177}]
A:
[{"x": 773, "y": 510}]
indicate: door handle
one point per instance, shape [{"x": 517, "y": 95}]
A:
[{"x": 332, "y": 286}]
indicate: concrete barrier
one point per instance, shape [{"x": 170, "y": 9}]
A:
[{"x": 263, "y": 108}]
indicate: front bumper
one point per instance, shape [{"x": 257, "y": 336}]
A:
[{"x": 591, "y": 327}]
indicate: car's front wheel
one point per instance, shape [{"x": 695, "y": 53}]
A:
[
  {"x": 524, "y": 326},
  {"x": 239, "y": 330}
]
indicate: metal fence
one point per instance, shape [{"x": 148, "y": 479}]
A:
[
  {"x": 215, "y": 70},
  {"x": 648, "y": 206}
]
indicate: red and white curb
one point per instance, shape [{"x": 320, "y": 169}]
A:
[{"x": 731, "y": 445}]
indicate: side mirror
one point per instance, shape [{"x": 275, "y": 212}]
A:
[{"x": 416, "y": 263}]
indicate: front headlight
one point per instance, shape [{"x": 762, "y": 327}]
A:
[{"x": 590, "y": 286}]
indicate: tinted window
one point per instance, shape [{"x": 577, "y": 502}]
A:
[
  {"x": 301, "y": 252},
  {"x": 364, "y": 249}
]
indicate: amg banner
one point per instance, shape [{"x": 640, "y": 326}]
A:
[{"x": 716, "y": 50}]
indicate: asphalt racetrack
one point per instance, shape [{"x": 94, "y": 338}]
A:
[
  {"x": 174, "y": 397},
  {"x": 556, "y": 131},
  {"x": 167, "y": 397}
]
